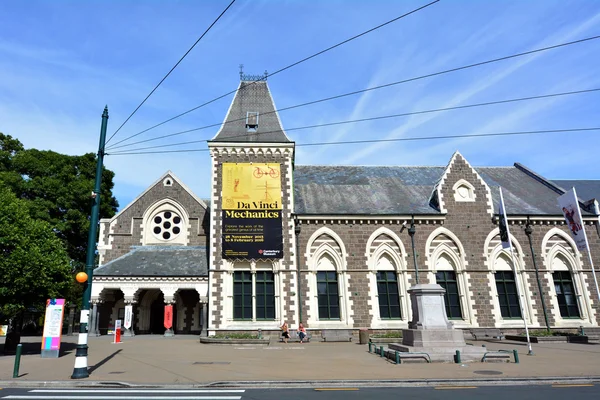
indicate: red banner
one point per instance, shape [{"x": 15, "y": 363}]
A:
[{"x": 169, "y": 316}]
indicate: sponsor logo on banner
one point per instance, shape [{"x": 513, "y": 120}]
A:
[
  {"x": 570, "y": 209},
  {"x": 252, "y": 218}
]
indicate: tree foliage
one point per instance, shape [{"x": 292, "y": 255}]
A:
[
  {"x": 57, "y": 188},
  {"x": 34, "y": 264}
]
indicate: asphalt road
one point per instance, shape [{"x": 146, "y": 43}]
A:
[{"x": 546, "y": 392}]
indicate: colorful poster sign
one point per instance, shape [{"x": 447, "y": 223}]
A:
[
  {"x": 53, "y": 322},
  {"x": 252, "y": 218},
  {"x": 128, "y": 316},
  {"x": 570, "y": 208},
  {"x": 169, "y": 316}
]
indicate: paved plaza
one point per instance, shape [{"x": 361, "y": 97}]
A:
[{"x": 156, "y": 360}]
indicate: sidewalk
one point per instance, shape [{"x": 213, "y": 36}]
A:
[{"x": 156, "y": 360}]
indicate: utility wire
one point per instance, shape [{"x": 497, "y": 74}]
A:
[
  {"x": 172, "y": 69},
  {"x": 418, "y": 138},
  {"x": 279, "y": 70},
  {"x": 377, "y": 87},
  {"x": 386, "y": 117}
]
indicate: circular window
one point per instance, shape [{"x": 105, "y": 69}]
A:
[{"x": 166, "y": 225}]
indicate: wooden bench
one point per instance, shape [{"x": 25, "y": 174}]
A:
[
  {"x": 294, "y": 337},
  {"x": 486, "y": 333},
  {"x": 336, "y": 335}
]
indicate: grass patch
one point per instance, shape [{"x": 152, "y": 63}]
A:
[
  {"x": 397, "y": 334},
  {"x": 235, "y": 336}
]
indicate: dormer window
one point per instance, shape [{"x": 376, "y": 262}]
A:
[{"x": 251, "y": 121}]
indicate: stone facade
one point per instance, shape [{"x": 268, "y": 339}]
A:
[{"x": 360, "y": 261}]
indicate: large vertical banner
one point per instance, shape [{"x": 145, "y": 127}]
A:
[
  {"x": 53, "y": 322},
  {"x": 503, "y": 224},
  {"x": 570, "y": 208},
  {"x": 251, "y": 195}
]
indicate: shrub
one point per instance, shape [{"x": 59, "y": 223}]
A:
[
  {"x": 236, "y": 336},
  {"x": 394, "y": 334}
]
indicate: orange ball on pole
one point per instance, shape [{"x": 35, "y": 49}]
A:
[{"x": 81, "y": 277}]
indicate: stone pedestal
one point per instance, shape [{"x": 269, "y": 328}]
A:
[{"x": 430, "y": 331}]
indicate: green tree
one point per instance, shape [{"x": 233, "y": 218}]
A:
[
  {"x": 34, "y": 264},
  {"x": 57, "y": 188}
]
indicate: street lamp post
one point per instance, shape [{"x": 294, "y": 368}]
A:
[
  {"x": 411, "y": 231},
  {"x": 528, "y": 232},
  {"x": 297, "y": 230},
  {"x": 81, "y": 366}
]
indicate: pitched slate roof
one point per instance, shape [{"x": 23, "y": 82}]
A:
[
  {"x": 339, "y": 190},
  {"x": 586, "y": 189},
  {"x": 158, "y": 261},
  {"x": 252, "y": 96},
  {"x": 389, "y": 190}
]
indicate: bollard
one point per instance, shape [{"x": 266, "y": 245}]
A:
[
  {"x": 516, "y": 356},
  {"x": 260, "y": 333},
  {"x": 397, "y": 357},
  {"x": 582, "y": 331},
  {"x": 381, "y": 351},
  {"x": 458, "y": 356},
  {"x": 370, "y": 344},
  {"x": 17, "y": 361}
]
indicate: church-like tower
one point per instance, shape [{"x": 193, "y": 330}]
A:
[{"x": 252, "y": 271}]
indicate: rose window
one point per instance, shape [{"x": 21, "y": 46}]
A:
[{"x": 166, "y": 225}]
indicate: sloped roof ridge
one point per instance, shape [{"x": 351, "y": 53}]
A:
[
  {"x": 163, "y": 176},
  {"x": 371, "y": 166}
]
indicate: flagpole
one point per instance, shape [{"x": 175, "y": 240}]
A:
[
  {"x": 517, "y": 280},
  {"x": 587, "y": 246}
]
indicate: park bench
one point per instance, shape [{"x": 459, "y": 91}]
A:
[
  {"x": 486, "y": 333},
  {"x": 294, "y": 336},
  {"x": 336, "y": 335}
]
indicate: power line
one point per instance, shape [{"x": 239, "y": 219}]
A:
[
  {"x": 388, "y": 116},
  {"x": 280, "y": 70},
  {"x": 378, "y": 87},
  {"x": 172, "y": 69},
  {"x": 418, "y": 138}
]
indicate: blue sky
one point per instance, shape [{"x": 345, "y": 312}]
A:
[{"x": 62, "y": 61}]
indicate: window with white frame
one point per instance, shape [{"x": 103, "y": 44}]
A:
[
  {"x": 564, "y": 286},
  {"x": 508, "y": 298},
  {"x": 389, "y": 297},
  {"x": 446, "y": 278},
  {"x": 328, "y": 295},
  {"x": 261, "y": 287}
]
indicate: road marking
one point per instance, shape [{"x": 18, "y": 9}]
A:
[
  {"x": 86, "y": 397},
  {"x": 572, "y": 385},
  {"x": 134, "y": 391},
  {"x": 323, "y": 389},
  {"x": 454, "y": 387}
]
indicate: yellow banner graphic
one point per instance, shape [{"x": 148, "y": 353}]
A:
[{"x": 251, "y": 186}]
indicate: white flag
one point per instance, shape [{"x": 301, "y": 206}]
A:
[
  {"x": 503, "y": 224},
  {"x": 570, "y": 208}
]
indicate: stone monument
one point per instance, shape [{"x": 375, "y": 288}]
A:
[{"x": 430, "y": 331}]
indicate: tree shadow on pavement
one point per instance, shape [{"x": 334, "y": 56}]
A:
[{"x": 102, "y": 362}]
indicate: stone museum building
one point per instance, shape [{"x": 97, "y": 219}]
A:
[{"x": 337, "y": 247}]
